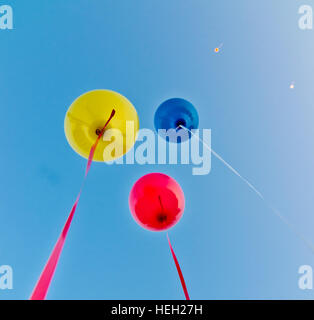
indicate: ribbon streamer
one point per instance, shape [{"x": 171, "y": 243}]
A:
[
  {"x": 42, "y": 286},
  {"x": 179, "y": 271},
  {"x": 258, "y": 193}
]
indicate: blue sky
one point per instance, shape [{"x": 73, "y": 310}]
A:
[{"x": 228, "y": 242}]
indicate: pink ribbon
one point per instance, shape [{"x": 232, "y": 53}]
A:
[
  {"x": 43, "y": 283},
  {"x": 185, "y": 290}
]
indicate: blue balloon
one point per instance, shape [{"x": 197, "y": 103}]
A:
[{"x": 175, "y": 112}]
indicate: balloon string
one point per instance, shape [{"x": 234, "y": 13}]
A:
[
  {"x": 268, "y": 204},
  {"x": 43, "y": 283},
  {"x": 161, "y": 206},
  {"x": 179, "y": 271}
]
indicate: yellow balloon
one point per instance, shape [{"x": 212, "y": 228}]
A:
[{"x": 88, "y": 114}]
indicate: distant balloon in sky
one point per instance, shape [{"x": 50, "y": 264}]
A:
[
  {"x": 174, "y": 113},
  {"x": 156, "y": 202},
  {"x": 217, "y": 49},
  {"x": 86, "y": 117}
]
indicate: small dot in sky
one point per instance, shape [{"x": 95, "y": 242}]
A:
[{"x": 217, "y": 49}]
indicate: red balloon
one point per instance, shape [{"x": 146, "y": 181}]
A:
[{"x": 156, "y": 202}]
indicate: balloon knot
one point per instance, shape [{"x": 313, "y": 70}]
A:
[
  {"x": 180, "y": 123},
  {"x": 162, "y": 217},
  {"x": 100, "y": 132}
]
